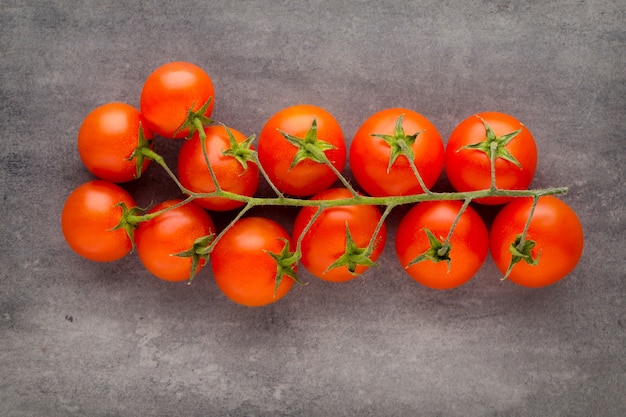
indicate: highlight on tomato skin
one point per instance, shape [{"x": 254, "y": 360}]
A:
[
  {"x": 557, "y": 240},
  {"x": 243, "y": 267},
  {"x": 89, "y": 217},
  {"x": 469, "y": 243}
]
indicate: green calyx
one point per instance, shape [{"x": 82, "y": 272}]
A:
[
  {"x": 495, "y": 144},
  {"x": 129, "y": 221},
  {"x": 286, "y": 262},
  {"x": 439, "y": 251},
  {"x": 242, "y": 152},
  {"x": 353, "y": 255},
  {"x": 195, "y": 119},
  {"x": 309, "y": 147},
  {"x": 522, "y": 251},
  {"x": 399, "y": 142},
  {"x": 200, "y": 250},
  {"x": 140, "y": 152}
]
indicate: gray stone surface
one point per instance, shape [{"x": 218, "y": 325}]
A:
[{"x": 84, "y": 339}]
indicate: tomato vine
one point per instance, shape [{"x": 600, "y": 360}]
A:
[{"x": 489, "y": 155}]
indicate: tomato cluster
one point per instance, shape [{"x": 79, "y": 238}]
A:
[{"x": 396, "y": 157}]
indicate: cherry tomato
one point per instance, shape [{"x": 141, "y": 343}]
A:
[
  {"x": 325, "y": 241},
  {"x": 107, "y": 139},
  {"x": 554, "y": 241},
  {"x": 243, "y": 268},
  {"x": 231, "y": 175},
  {"x": 89, "y": 217},
  {"x": 170, "y": 92},
  {"x": 468, "y": 164},
  {"x": 379, "y": 141},
  {"x": 305, "y": 124},
  {"x": 469, "y": 244},
  {"x": 173, "y": 232}
]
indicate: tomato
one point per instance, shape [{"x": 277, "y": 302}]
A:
[
  {"x": 89, "y": 217},
  {"x": 325, "y": 242},
  {"x": 307, "y": 125},
  {"x": 554, "y": 240},
  {"x": 468, "y": 163},
  {"x": 107, "y": 139},
  {"x": 174, "y": 232},
  {"x": 231, "y": 175},
  {"x": 469, "y": 244},
  {"x": 168, "y": 95},
  {"x": 243, "y": 267},
  {"x": 378, "y": 142}
]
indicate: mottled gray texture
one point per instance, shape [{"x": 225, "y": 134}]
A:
[{"x": 84, "y": 339}]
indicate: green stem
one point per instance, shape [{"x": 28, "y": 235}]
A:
[
  {"x": 389, "y": 202},
  {"x": 321, "y": 155},
  {"x": 202, "y": 134},
  {"x": 522, "y": 241},
  {"x": 267, "y": 178},
  {"x": 319, "y": 211},
  {"x": 150, "y": 154},
  {"x": 446, "y": 244},
  {"x": 416, "y": 173},
  {"x": 223, "y": 232},
  {"x": 492, "y": 166},
  {"x": 372, "y": 243},
  {"x": 383, "y": 201}
]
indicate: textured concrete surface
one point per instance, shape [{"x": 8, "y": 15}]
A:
[{"x": 85, "y": 339}]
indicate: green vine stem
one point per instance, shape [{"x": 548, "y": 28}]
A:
[
  {"x": 521, "y": 248},
  {"x": 445, "y": 248},
  {"x": 389, "y": 202}
]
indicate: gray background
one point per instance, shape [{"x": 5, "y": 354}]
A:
[{"x": 87, "y": 339}]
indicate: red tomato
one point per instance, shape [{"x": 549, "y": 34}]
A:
[
  {"x": 468, "y": 244},
  {"x": 194, "y": 174},
  {"x": 170, "y": 233},
  {"x": 557, "y": 235},
  {"x": 469, "y": 169},
  {"x": 370, "y": 154},
  {"x": 107, "y": 139},
  {"x": 89, "y": 216},
  {"x": 325, "y": 242},
  {"x": 243, "y": 268},
  {"x": 277, "y": 154},
  {"x": 170, "y": 93}
]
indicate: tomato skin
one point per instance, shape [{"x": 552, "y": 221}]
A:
[
  {"x": 554, "y": 227},
  {"x": 325, "y": 241},
  {"x": 242, "y": 268},
  {"x": 89, "y": 214},
  {"x": 169, "y": 233},
  {"x": 469, "y": 243},
  {"x": 168, "y": 94},
  {"x": 107, "y": 138},
  {"x": 369, "y": 155},
  {"x": 276, "y": 153},
  {"x": 470, "y": 170},
  {"x": 194, "y": 174}
]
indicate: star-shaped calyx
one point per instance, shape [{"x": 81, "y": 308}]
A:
[
  {"x": 399, "y": 142},
  {"x": 497, "y": 144},
  {"x": 353, "y": 256},
  {"x": 309, "y": 147},
  {"x": 286, "y": 262}
]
